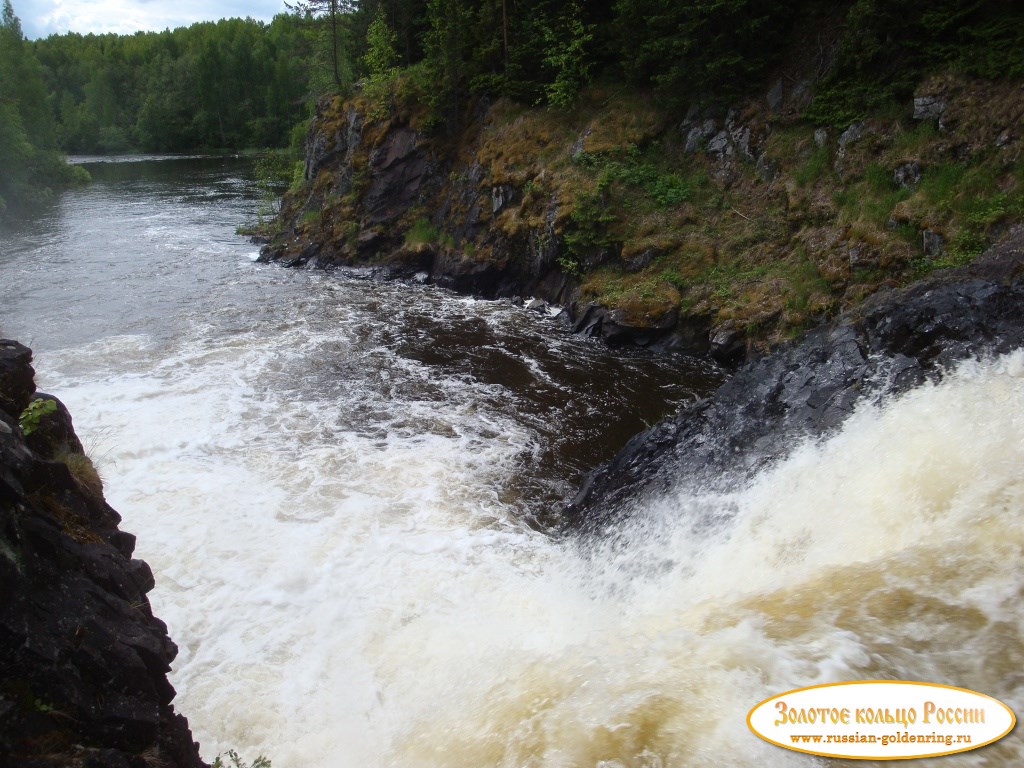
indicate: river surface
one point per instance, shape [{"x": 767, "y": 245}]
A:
[{"x": 347, "y": 490}]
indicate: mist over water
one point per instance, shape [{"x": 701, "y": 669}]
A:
[{"x": 345, "y": 491}]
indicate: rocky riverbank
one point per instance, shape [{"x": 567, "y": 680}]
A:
[
  {"x": 83, "y": 661},
  {"x": 718, "y": 233},
  {"x": 894, "y": 341}
]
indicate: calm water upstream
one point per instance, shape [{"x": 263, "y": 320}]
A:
[{"x": 344, "y": 489}]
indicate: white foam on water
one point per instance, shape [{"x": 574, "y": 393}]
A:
[{"x": 360, "y": 593}]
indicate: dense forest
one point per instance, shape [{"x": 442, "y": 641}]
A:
[
  {"x": 237, "y": 83},
  {"x": 710, "y": 51},
  {"x": 30, "y": 165},
  {"x": 241, "y": 83},
  {"x": 228, "y": 84}
]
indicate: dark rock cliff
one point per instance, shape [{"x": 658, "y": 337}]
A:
[
  {"x": 893, "y": 342},
  {"x": 482, "y": 216},
  {"x": 83, "y": 661},
  {"x": 379, "y": 192}
]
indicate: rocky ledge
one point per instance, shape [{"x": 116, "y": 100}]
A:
[
  {"x": 894, "y": 341},
  {"x": 83, "y": 661}
]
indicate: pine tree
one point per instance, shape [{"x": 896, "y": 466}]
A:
[
  {"x": 446, "y": 47},
  {"x": 566, "y": 54},
  {"x": 329, "y": 10}
]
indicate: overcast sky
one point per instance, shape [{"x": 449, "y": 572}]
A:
[{"x": 40, "y": 18}]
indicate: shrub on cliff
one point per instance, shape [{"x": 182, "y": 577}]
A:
[{"x": 222, "y": 761}]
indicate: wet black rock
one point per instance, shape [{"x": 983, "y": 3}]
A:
[
  {"x": 610, "y": 325},
  {"x": 83, "y": 661},
  {"x": 17, "y": 379},
  {"x": 891, "y": 343}
]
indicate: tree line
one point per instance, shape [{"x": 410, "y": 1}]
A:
[
  {"x": 30, "y": 164},
  {"x": 705, "y": 52},
  {"x": 244, "y": 83},
  {"x": 229, "y": 84},
  {"x": 239, "y": 83}
]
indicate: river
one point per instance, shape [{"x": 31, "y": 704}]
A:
[{"x": 347, "y": 491}]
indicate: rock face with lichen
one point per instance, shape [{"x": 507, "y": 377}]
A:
[{"x": 83, "y": 661}]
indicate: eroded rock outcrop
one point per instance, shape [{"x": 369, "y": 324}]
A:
[
  {"x": 83, "y": 661},
  {"x": 893, "y": 342}
]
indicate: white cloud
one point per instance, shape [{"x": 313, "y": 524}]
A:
[{"x": 43, "y": 17}]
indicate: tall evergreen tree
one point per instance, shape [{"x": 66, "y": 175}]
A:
[
  {"x": 446, "y": 50},
  {"x": 328, "y": 10},
  {"x": 567, "y": 56}
]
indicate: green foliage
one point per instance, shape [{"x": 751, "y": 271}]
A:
[
  {"x": 669, "y": 189},
  {"x": 297, "y": 139},
  {"x": 570, "y": 265},
  {"x": 888, "y": 45},
  {"x": 298, "y": 176},
  {"x": 804, "y": 281},
  {"x": 872, "y": 199},
  {"x": 229, "y": 84},
  {"x": 446, "y": 55},
  {"x": 918, "y": 137},
  {"x": 978, "y": 214},
  {"x": 381, "y": 58},
  {"x": 723, "y": 277},
  {"x": 32, "y": 416},
  {"x": 939, "y": 183},
  {"x": 533, "y": 51},
  {"x": 633, "y": 169},
  {"x": 234, "y": 761},
  {"x": 708, "y": 49},
  {"x": 274, "y": 173},
  {"x": 243, "y": 83},
  {"x": 591, "y": 222},
  {"x": 422, "y": 232},
  {"x": 30, "y": 167},
  {"x": 882, "y": 194},
  {"x": 566, "y": 55},
  {"x": 42, "y": 707},
  {"x": 673, "y": 277},
  {"x": 970, "y": 198},
  {"x": 331, "y": 31},
  {"x": 814, "y": 167},
  {"x": 22, "y": 82}
]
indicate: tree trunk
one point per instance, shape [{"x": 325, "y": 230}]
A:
[
  {"x": 334, "y": 41},
  {"x": 504, "y": 30}
]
